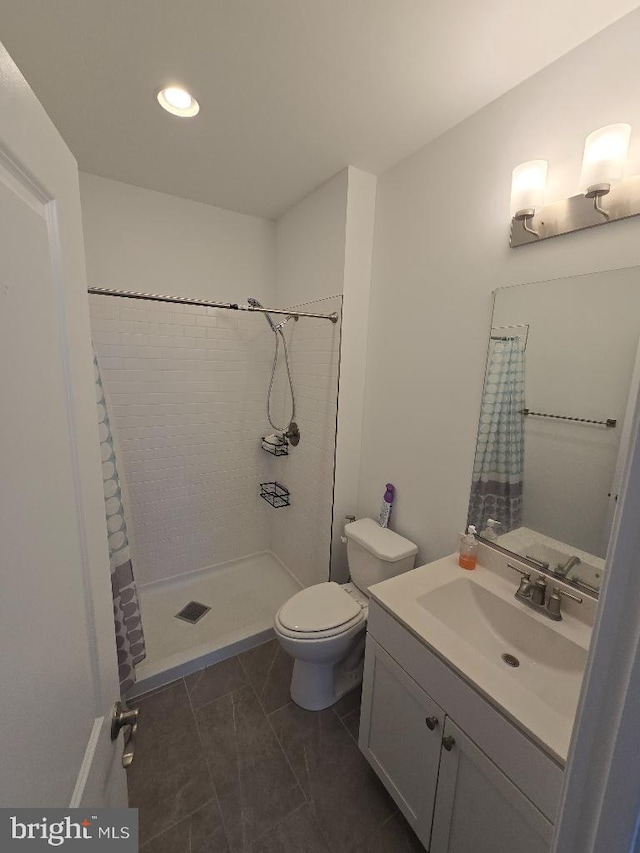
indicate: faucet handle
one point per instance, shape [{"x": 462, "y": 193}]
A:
[{"x": 566, "y": 594}]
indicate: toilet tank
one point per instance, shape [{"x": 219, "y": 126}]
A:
[{"x": 376, "y": 553}]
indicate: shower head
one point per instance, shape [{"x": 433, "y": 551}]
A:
[{"x": 255, "y": 304}]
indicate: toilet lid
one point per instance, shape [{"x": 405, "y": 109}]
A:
[{"x": 318, "y": 608}]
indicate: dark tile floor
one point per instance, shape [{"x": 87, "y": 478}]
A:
[{"x": 225, "y": 761}]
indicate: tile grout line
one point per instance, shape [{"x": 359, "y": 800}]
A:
[
  {"x": 275, "y": 734},
  {"x": 174, "y": 824},
  {"x": 269, "y": 671},
  {"x": 242, "y": 799},
  {"x": 342, "y": 720},
  {"x": 276, "y": 825},
  {"x": 242, "y": 666},
  {"x": 213, "y": 784}
]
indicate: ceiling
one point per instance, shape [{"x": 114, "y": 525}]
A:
[{"x": 291, "y": 91}]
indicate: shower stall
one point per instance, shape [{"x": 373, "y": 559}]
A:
[{"x": 194, "y": 388}]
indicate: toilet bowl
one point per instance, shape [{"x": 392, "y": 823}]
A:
[{"x": 323, "y": 627}]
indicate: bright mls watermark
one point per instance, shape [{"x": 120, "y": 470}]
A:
[{"x": 69, "y": 829}]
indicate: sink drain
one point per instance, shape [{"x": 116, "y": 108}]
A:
[{"x": 510, "y": 660}]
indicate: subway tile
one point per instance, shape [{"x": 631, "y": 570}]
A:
[
  {"x": 131, "y": 314},
  {"x": 189, "y": 416},
  {"x": 106, "y": 337}
]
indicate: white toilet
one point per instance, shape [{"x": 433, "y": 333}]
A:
[{"x": 323, "y": 626}]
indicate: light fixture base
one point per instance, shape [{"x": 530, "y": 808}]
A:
[
  {"x": 525, "y": 213},
  {"x": 578, "y": 212},
  {"x": 597, "y": 190}
]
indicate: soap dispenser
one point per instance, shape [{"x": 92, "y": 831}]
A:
[
  {"x": 468, "y": 549},
  {"x": 490, "y": 533}
]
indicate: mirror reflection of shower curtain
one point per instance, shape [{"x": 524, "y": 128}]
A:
[
  {"x": 126, "y": 608},
  {"x": 498, "y": 471}
]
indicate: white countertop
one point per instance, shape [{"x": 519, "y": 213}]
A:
[{"x": 540, "y": 696}]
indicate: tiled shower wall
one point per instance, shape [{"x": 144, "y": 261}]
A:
[
  {"x": 187, "y": 391},
  {"x": 186, "y": 388},
  {"x": 301, "y": 533}
]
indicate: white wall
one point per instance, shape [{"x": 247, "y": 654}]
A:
[
  {"x": 361, "y": 200},
  {"x": 301, "y": 533},
  {"x": 136, "y": 239},
  {"x": 441, "y": 247},
  {"x": 310, "y": 241},
  {"x": 310, "y": 258},
  {"x": 324, "y": 247}
]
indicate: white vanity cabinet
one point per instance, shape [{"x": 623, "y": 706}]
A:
[{"x": 465, "y": 778}]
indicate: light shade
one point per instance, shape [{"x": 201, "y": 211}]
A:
[
  {"x": 178, "y": 102},
  {"x": 605, "y": 152},
  {"x": 527, "y": 186}
]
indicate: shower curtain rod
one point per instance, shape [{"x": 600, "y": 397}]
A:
[{"x": 205, "y": 303}]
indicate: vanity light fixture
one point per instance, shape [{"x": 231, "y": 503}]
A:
[
  {"x": 528, "y": 181},
  {"x": 178, "y": 102},
  {"x": 605, "y": 152},
  {"x": 603, "y": 164}
]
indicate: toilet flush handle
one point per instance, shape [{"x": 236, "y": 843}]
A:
[{"x": 347, "y": 520}]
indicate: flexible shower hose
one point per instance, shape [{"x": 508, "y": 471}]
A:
[{"x": 273, "y": 374}]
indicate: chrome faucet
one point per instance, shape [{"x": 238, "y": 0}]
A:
[
  {"x": 534, "y": 595},
  {"x": 564, "y": 568}
]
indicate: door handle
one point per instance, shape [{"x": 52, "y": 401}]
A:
[
  {"x": 122, "y": 718},
  {"x": 448, "y": 742},
  {"x": 431, "y": 722}
]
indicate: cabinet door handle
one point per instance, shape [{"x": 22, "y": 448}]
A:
[
  {"x": 448, "y": 742},
  {"x": 431, "y": 722}
]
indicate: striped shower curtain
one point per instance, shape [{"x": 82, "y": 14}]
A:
[
  {"x": 498, "y": 471},
  {"x": 126, "y": 609}
]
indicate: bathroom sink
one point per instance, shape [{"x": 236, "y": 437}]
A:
[
  {"x": 527, "y": 666},
  {"x": 540, "y": 659}
]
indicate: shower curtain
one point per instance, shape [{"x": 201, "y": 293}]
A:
[
  {"x": 498, "y": 471},
  {"x": 126, "y": 610}
]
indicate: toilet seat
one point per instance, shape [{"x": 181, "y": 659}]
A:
[{"x": 320, "y": 611}]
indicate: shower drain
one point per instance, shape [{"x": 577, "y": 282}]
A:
[
  {"x": 510, "y": 660},
  {"x": 192, "y": 612}
]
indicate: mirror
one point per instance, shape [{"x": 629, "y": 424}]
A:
[{"x": 560, "y": 385}]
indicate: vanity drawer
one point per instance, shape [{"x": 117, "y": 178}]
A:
[{"x": 535, "y": 773}]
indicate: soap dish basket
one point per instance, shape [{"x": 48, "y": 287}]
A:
[{"x": 275, "y": 494}]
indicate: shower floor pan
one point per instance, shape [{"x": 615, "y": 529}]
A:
[{"x": 244, "y": 596}]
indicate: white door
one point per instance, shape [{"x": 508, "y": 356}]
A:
[{"x": 57, "y": 646}]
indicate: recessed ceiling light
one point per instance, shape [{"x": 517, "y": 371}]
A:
[{"x": 178, "y": 102}]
